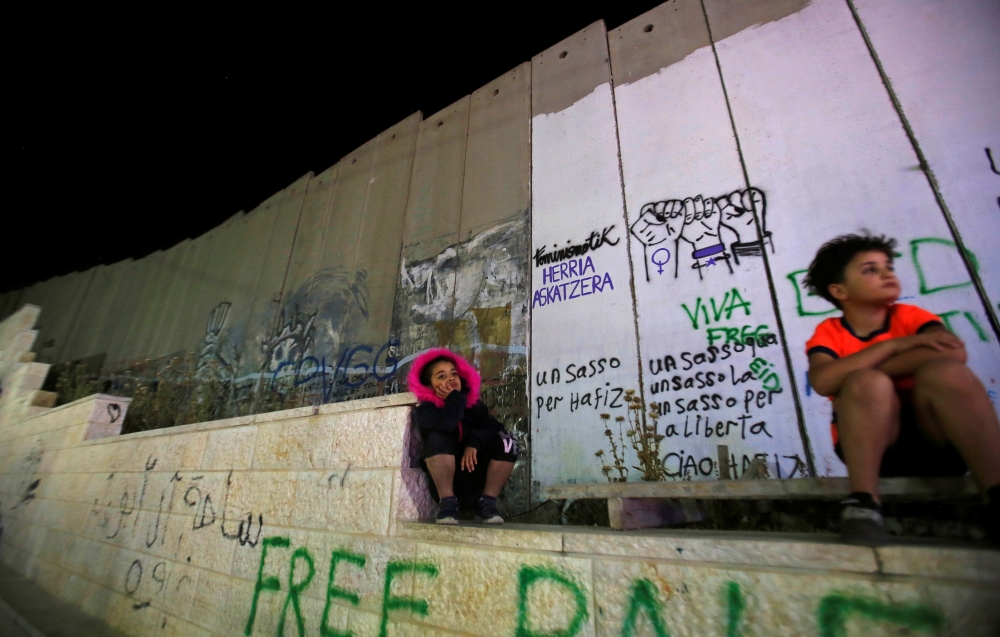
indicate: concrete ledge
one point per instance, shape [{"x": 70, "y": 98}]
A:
[
  {"x": 364, "y": 404},
  {"x": 794, "y": 488},
  {"x": 819, "y": 551}
]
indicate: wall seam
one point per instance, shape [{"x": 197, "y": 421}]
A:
[
  {"x": 528, "y": 341},
  {"x": 928, "y": 173},
  {"x": 800, "y": 415},
  {"x": 461, "y": 209},
  {"x": 628, "y": 241},
  {"x": 295, "y": 238}
]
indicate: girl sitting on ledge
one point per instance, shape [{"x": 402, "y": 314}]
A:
[{"x": 467, "y": 452}]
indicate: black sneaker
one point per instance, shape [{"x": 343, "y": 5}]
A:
[
  {"x": 861, "y": 521},
  {"x": 448, "y": 513},
  {"x": 486, "y": 510}
]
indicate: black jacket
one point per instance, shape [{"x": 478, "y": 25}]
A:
[{"x": 474, "y": 425}]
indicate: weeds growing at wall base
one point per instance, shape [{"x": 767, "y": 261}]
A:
[{"x": 643, "y": 436}]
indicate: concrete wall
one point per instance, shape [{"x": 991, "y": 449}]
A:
[{"x": 796, "y": 121}]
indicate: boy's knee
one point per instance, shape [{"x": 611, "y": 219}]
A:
[
  {"x": 948, "y": 375},
  {"x": 867, "y": 384}
]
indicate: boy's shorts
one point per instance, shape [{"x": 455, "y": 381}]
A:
[
  {"x": 913, "y": 455},
  {"x": 468, "y": 486}
]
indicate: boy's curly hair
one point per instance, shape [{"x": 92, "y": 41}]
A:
[{"x": 832, "y": 258}]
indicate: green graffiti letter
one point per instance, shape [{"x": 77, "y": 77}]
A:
[
  {"x": 794, "y": 278},
  {"x": 644, "y": 597},
  {"x": 530, "y": 575},
  {"x": 835, "y": 608},
  {"x": 335, "y": 592},
  {"x": 915, "y": 252},
  {"x": 294, "y": 590},
  {"x": 269, "y": 584},
  {"x": 736, "y": 604},
  {"x": 392, "y": 602},
  {"x": 733, "y": 304},
  {"x": 694, "y": 316}
]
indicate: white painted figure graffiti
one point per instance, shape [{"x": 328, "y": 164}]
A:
[
  {"x": 210, "y": 350},
  {"x": 290, "y": 338},
  {"x": 698, "y": 222}
]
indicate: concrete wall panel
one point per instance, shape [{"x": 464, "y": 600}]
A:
[
  {"x": 191, "y": 276},
  {"x": 490, "y": 324},
  {"x": 262, "y": 319},
  {"x": 583, "y": 343},
  {"x": 214, "y": 271},
  {"x": 75, "y": 287},
  {"x": 338, "y": 300},
  {"x": 939, "y": 57},
  {"x": 119, "y": 319},
  {"x": 157, "y": 338},
  {"x": 229, "y": 293},
  {"x": 157, "y": 297},
  {"x": 308, "y": 246},
  {"x": 380, "y": 239},
  {"x": 83, "y": 325},
  {"x": 425, "y": 292},
  {"x": 145, "y": 300},
  {"x": 497, "y": 186},
  {"x": 85, "y": 337},
  {"x": 820, "y": 137},
  {"x": 134, "y": 310},
  {"x": 700, "y": 277}
]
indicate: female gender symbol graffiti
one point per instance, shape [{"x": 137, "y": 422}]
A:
[{"x": 666, "y": 259}]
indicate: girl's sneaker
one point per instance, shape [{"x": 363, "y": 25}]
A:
[
  {"x": 486, "y": 510},
  {"x": 448, "y": 513}
]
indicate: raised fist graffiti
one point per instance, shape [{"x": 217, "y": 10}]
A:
[
  {"x": 659, "y": 221},
  {"x": 698, "y": 222},
  {"x": 701, "y": 229}
]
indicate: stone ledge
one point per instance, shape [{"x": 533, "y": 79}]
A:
[
  {"x": 971, "y": 563},
  {"x": 364, "y": 404}
]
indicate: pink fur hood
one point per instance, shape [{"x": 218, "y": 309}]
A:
[{"x": 470, "y": 377}]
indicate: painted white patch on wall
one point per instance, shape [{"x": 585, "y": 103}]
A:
[{"x": 583, "y": 346}]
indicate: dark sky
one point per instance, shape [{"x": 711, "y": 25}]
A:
[{"x": 132, "y": 132}]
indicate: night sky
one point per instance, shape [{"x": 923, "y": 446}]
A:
[{"x": 133, "y": 132}]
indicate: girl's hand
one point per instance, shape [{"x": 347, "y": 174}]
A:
[
  {"x": 443, "y": 391},
  {"x": 469, "y": 459}
]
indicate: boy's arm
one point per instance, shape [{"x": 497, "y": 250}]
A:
[
  {"x": 827, "y": 374},
  {"x": 906, "y": 363}
]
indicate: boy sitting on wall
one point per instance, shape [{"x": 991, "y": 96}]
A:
[{"x": 904, "y": 402}]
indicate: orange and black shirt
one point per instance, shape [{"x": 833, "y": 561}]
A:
[{"x": 835, "y": 337}]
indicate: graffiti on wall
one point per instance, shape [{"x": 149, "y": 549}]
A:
[
  {"x": 536, "y": 587},
  {"x": 569, "y": 272},
  {"x": 712, "y": 231}
]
